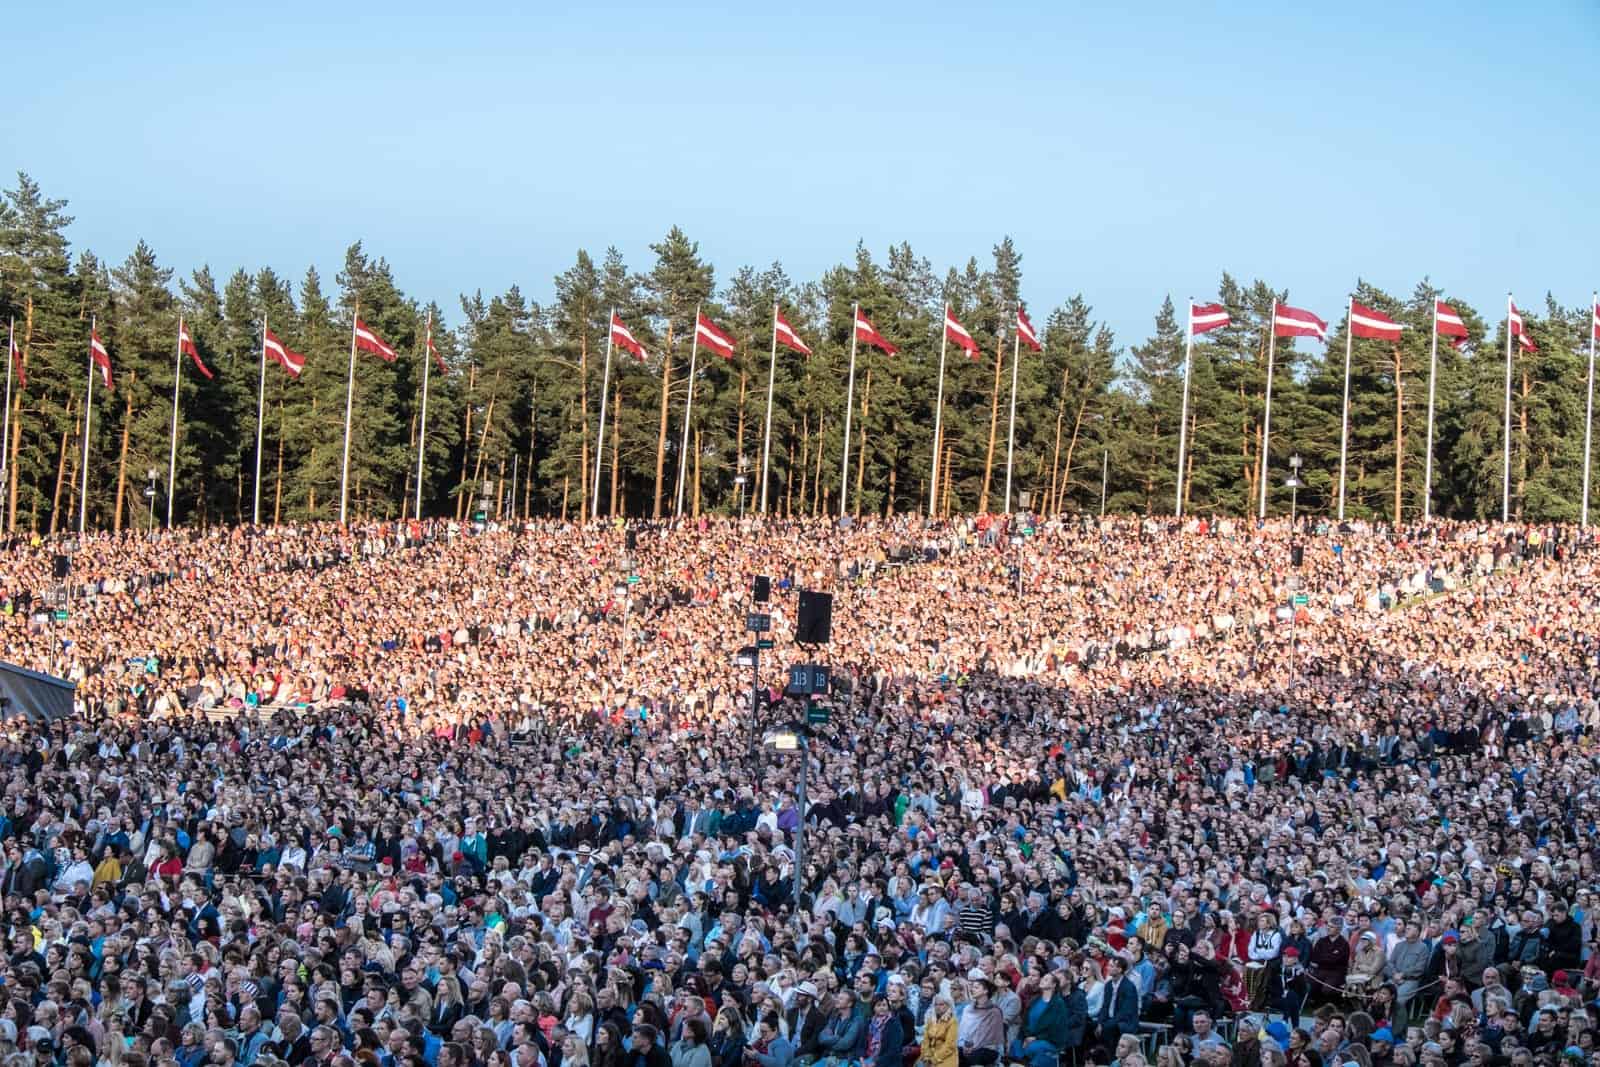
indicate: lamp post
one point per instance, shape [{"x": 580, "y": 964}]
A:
[
  {"x": 792, "y": 738},
  {"x": 150, "y": 493},
  {"x": 740, "y": 483},
  {"x": 1292, "y": 483}
]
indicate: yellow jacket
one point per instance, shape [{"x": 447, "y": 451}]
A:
[{"x": 939, "y": 1042}]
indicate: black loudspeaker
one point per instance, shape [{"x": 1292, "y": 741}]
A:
[
  {"x": 763, "y": 589},
  {"x": 632, "y": 538},
  {"x": 815, "y": 626},
  {"x": 1297, "y": 554},
  {"x": 61, "y": 566}
]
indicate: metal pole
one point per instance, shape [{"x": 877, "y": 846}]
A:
[
  {"x": 1266, "y": 423},
  {"x": 1427, "y": 464},
  {"x": 1011, "y": 430},
  {"x": 766, "y": 437},
  {"x": 11, "y": 358},
  {"x": 261, "y": 419},
  {"x": 800, "y": 829},
  {"x": 849, "y": 405},
  {"x": 1588, "y": 407},
  {"x": 1344, "y": 413},
  {"x": 172, "y": 454},
  {"x": 88, "y": 414},
  {"x": 349, "y": 401},
  {"x": 1505, "y": 480},
  {"x": 688, "y": 412},
  {"x": 1105, "y": 470},
  {"x": 422, "y": 421},
  {"x": 938, "y": 417},
  {"x": 600, "y": 446},
  {"x": 1183, "y": 422}
]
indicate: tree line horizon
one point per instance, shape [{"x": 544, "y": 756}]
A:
[{"x": 515, "y": 419}]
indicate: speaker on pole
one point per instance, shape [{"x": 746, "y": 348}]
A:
[
  {"x": 61, "y": 566},
  {"x": 815, "y": 625},
  {"x": 763, "y": 589}
]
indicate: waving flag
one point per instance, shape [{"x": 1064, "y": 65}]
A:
[
  {"x": 16, "y": 361},
  {"x": 1025, "y": 331},
  {"x": 1294, "y": 322},
  {"x": 788, "y": 338},
  {"x": 958, "y": 333},
  {"x": 102, "y": 358},
  {"x": 1447, "y": 322},
  {"x": 708, "y": 334},
  {"x": 1596, "y": 323},
  {"x": 368, "y": 341},
  {"x": 1207, "y": 317},
  {"x": 289, "y": 360},
  {"x": 1518, "y": 330},
  {"x": 438, "y": 360},
  {"x": 186, "y": 345},
  {"x": 867, "y": 333},
  {"x": 623, "y": 338},
  {"x": 1364, "y": 322}
]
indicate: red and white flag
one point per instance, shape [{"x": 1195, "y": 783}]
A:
[
  {"x": 623, "y": 338},
  {"x": 1204, "y": 318},
  {"x": 1364, "y": 322},
  {"x": 1025, "y": 331},
  {"x": 787, "y": 337},
  {"x": 867, "y": 333},
  {"x": 438, "y": 360},
  {"x": 958, "y": 333},
  {"x": 368, "y": 341},
  {"x": 1514, "y": 317},
  {"x": 102, "y": 358},
  {"x": 1447, "y": 321},
  {"x": 710, "y": 335},
  {"x": 289, "y": 360},
  {"x": 1294, "y": 322},
  {"x": 1596, "y": 324},
  {"x": 186, "y": 345},
  {"x": 16, "y": 362}
]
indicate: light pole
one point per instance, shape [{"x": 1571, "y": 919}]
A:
[
  {"x": 740, "y": 483},
  {"x": 150, "y": 493},
  {"x": 793, "y": 738},
  {"x": 1293, "y": 485}
]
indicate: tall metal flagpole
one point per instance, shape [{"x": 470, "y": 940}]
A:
[
  {"x": 1505, "y": 478},
  {"x": 1011, "y": 430},
  {"x": 688, "y": 410},
  {"x": 88, "y": 414},
  {"x": 938, "y": 417},
  {"x": 849, "y": 406},
  {"x": 1183, "y": 421},
  {"x": 1427, "y": 463},
  {"x": 11, "y": 358},
  {"x": 422, "y": 420},
  {"x": 600, "y": 445},
  {"x": 766, "y": 438},
  {"x": 172, "y": 451},
  {"x": 349, "y": 401},
  {"x": 1344, "y": 412},
  {"x": 261, "y": 421},
  {"x": 1266, "y": 421},
  {"x": 1589, "y": 402}
]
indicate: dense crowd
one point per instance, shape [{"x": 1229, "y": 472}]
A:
[{"x": 431, "y": 796}]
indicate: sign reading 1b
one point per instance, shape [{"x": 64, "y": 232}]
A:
[{"x": 806, "y": 679}]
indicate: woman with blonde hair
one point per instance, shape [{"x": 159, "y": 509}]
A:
[{"x": 939, "y": 1035}]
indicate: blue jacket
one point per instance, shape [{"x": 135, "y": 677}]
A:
[{"x": 1124, "y": 1013}]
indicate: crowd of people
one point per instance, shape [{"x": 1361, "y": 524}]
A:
[{"x": 1213, "y": 792}]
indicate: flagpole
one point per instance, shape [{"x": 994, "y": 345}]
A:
[
  {"x": 1266, "y": 422},
  {"x": 1427, "y": 465},
  {"x": 422, "y": 422},
  {"x": 1589, "y": 403},
  {"x": 766, "y": 442},
  {"x": 261, "y": 422},
  {"x": 600, "y": 446},
  {"x": 1011, "y": 429},
  {"x": 849, "y": 405},
  {"x": 172, "y": 451},
  {"x": 1183, "y": 421},
  {"x": 1344, "y": 416},
  {"x": 688, "y": 410},
  {"x": 1505, "y": 478},
  {"x": 349, "y": 401},
  {"x": 11, "y": 359},
  {"x": 88, "y": 414},
  {"x": 938, "y": 416}
]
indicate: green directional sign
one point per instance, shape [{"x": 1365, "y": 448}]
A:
[
  {"x": 765, "y": 642},
  {"x": 1301, "y": 600},
  {"x": 816, "y": 716},
  {"x": 61, "y": 616},
  {"x": 633, "y": 579}
]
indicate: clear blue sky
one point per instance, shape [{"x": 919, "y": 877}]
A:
[{"x": 1131, "y": 153}]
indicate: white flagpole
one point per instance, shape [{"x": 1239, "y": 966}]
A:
[
  {"x": 849, "y": 406},
  {"x": 1344, "y": 415},
  {"x": 1183, "y": 421},
  {"x": 422, "y": 420},
  {"x": 1589, "y": 405},
  {"x": 938, "y": 417},
  {"x": 172, "y": 451},
  {"x": 88, "y": 414},
  {"x": 1266, "y": 421},
  {"x": 1427, "y": 465},
  {"x": 349, "y": 401},
  {"x": 688, "y": 410},
  {"x": 600, "y": 445},
  {"x": 766, "y": 439},
  {"x": 1505, "y": 478},
  {"x": 261, "y": 422},
  {"x": 11, "y": 358},
  {"x": 1011, "y": 430}
]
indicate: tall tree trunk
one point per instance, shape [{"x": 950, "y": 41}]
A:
[
  {"x": 311, "y": 490},
  {"x": 695, "y": 505},
  {"x": 500, "y": 492},
  {"x": 483, "y": 435},
  {"x": 788, "y": 482},
  {"x": 1245, "y": 458},
  {"x": 861, "y": 463},
  {"x": 277, "y": 493},
  {"x": 1072, "y": 448},
  {"x": 1055, "y": 459},
  {"x": 805, "y": 456},
  {"x": 738, "y": 450},
  {"x": 411, "y": 450},
  {"x": 466, "y": 443},
  {"x": 527, "y": 491},
  {"x": 994, "y": 421},
  {"x": 816, "y": 481},
  {"x": 617, "y": 502},
  {"x": 661, "y": 433},
  {"x": 16, "y": 423},
  {"x": 122, "y": 458},
  {"x": 1399, "y": 435},
  {"x": 584, "y": 503},
  {"x": 1522, "y": 443},
  {"x": 1188, "y": 463},
  {"x": 944, "y": 484},
  {"x": 566, "y": 486},
  {"x": 61, "y": 468},
  {"x": 888, "y": 501}
]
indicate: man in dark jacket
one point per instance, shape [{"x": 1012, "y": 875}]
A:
[
  {"x": 805, "y": 1021},
  {"x": 1563, "y": 940},
  {"x": 1119, "y": 1011}
]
